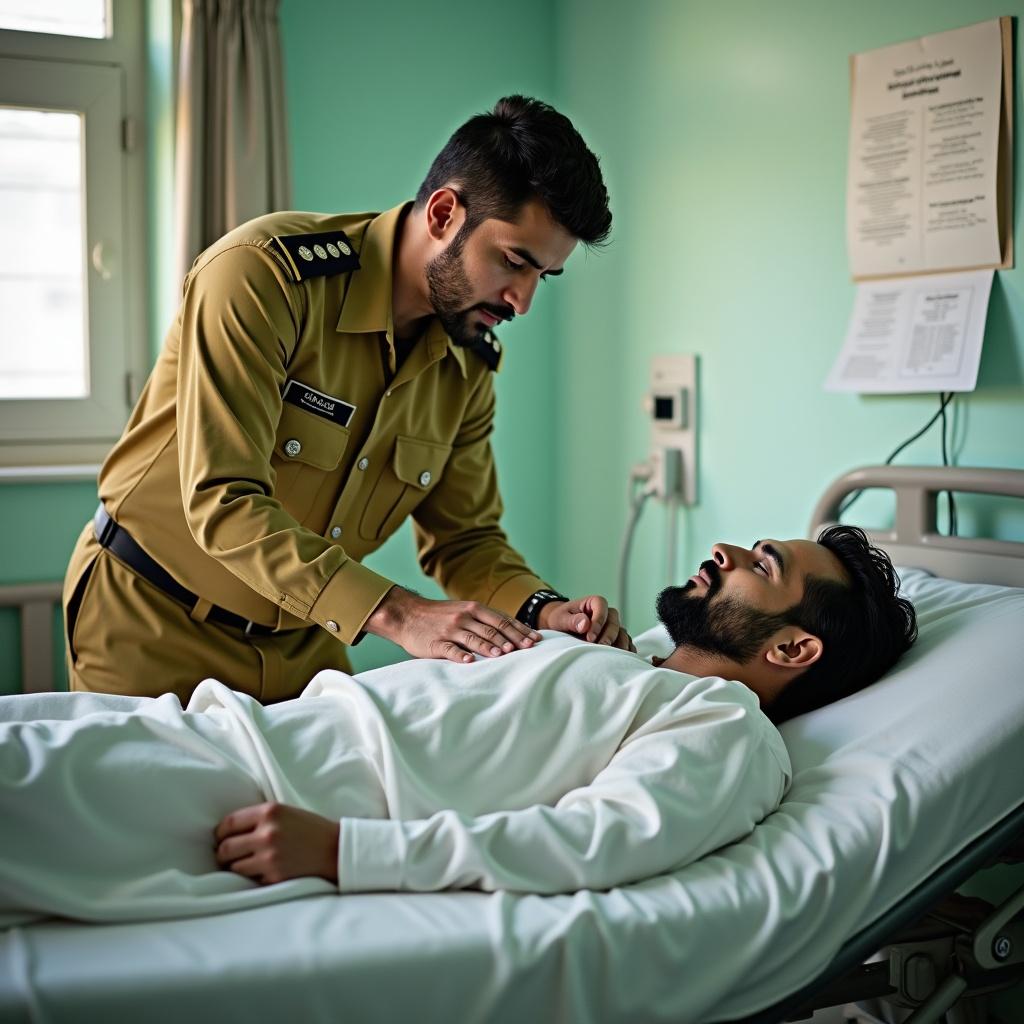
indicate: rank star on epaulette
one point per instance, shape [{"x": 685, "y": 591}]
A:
[
  {"x": 316, "y": 255},
  {"x": 489, "y": 349}
]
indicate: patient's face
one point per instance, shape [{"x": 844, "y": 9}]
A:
[{"x": 738, "y": 597}]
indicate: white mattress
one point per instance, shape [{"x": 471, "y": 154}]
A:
[{"x": 887, "y": 785}]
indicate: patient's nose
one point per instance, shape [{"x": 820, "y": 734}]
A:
[
  {"x": 728, "y": 556},
  {"x": 721, "y": 554}
]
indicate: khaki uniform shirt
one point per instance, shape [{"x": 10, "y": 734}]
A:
[{"x": 241, "y": 473}]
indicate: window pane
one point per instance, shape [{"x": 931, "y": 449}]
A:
[
  {"x": 60, "y": 17},
  {"x": 42, "y": 287}
]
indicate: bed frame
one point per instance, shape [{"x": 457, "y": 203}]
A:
[
  {"x": 35, "y": 603},
  {"x": 934, "y": 951}
]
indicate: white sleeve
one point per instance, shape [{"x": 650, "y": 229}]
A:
[{"x": 676, "y": 789}]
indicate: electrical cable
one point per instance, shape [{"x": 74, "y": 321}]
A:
[
  {"x": 944, "y": 399},
  {"x": 672, "y": 540},
  {"x": 636, "y": 504},
  {"x": 950, "y": 502}
]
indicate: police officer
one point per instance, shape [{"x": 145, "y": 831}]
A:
[{"x": 326, "y": 377}]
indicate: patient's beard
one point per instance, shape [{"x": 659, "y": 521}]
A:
[{"x": 726, "y": 626}]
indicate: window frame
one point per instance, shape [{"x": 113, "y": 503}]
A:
[{"x": 79, "y": 451}]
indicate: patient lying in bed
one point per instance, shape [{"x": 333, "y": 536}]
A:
[{"x": 552, "y": 769}]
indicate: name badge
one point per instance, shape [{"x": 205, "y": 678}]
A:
[{"x": 334, "y": 409}]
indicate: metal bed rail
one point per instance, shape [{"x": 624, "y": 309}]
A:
[{"x": 914, "y": 539}]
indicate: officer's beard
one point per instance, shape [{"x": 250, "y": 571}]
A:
[
  {"x": 450, "y": 291},
  {"x": 726, "y": 627}
]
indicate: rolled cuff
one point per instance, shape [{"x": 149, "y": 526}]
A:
[
  {"x": 371, "y": 855},
  {"x": 513, "y": 593},
  {"x": 348, "y": 599}
]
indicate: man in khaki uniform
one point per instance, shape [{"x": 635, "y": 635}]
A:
[{"x": 326, "y": 377}]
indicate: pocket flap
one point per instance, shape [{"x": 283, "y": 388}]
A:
[
  {"x": 305, "y": 437},
  {"x": 420, "y": 463}
]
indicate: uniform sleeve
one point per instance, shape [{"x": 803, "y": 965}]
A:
[
  {"x": 667, "y": 797},
  {"x": 458, "y": 527},
  {"x": 240, "y": 324}
]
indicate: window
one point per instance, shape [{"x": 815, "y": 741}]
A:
[
  {"x": 72, "y": 275},
  {"x": 87, "y": 18}
]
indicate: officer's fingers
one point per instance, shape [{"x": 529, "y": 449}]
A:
[
  {"x": 609, "y": 633},
  {"x": 567, "y": 617},
  {"x": 471, "y": 639},
  {"x": 448, "y": 650},
  {"x": 624, "y": 641},
  {"x": 501, "y": 630},
  {"x": 598, "y": 617}
]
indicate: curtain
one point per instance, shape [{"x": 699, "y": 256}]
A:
[{"x": 231, "y": 152}]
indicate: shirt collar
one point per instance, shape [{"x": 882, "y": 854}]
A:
[{"x": 367, "y": 304}]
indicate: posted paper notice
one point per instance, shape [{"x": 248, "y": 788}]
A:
[
  {"x": 924, "y": 140},
  {"x": 915, "y": 334}
]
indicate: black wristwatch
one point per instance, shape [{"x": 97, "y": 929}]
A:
[{"x": 532, "y": 605}]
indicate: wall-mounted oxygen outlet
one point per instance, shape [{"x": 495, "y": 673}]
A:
[{"x": 671, "y": 404}]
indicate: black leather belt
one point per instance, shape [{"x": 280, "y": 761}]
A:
[{"x": 118, "y": 540}]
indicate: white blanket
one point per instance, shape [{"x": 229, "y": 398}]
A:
[{"x": 564, "y": 767}]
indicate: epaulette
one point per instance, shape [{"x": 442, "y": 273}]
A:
[
  {"x": 317, "y": 255},
  {"x": 489, "y": 349}
]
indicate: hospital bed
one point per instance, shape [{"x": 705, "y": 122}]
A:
[{"x": 899, "y": 794}]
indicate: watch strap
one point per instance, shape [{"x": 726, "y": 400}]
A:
[{"x": 530, "y": 610}]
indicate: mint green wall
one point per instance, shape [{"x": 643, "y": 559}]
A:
[
  {"x": 723, "y": 132},
  {"x": 374, "y": 91}
]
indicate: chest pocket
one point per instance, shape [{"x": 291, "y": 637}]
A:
[
  {"x": 307, "y": 449},
  {"x": 403, "y": 483}
]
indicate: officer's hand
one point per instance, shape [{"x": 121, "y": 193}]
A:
[
  {"x": 455, "y": 630},
  {"x": 588, "y": 617}
]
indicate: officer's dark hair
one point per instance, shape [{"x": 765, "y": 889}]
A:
[
  {"x": 863, "y": 624},
  {"x": 523, "y": 149}
]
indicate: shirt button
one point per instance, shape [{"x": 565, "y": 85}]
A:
[
  {"x": 387, "y": 394},
  {"x": 292, "y": 447},
  {"x": 335, "y": 532},
  {"x": 331, "y": 625},
  {"x": 363, "y": 463},
  {"x": 425, "y": 478}
]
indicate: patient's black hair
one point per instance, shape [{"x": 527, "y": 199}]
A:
[
  {"x": 863, "y": 624},
  {"x": 523, "y": 149}
]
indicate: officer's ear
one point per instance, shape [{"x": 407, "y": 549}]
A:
[{"x": 445, "y": 214}]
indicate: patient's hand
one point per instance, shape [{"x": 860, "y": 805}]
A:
[
  {"x": 587, "y": 617},
  {"x": 274, "y": 842}
]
